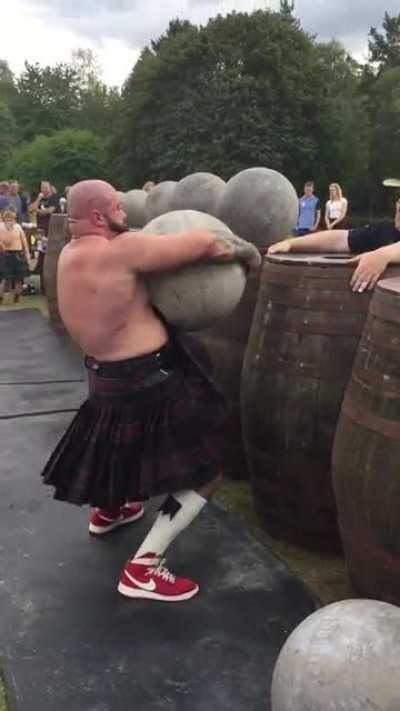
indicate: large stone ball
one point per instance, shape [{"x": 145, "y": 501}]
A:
[
  {"x": 260, "y": 205},
  {"x": 344, "y": 657},
  {"x": 199, "y": 191},
  {"x": 134, "y": 204},
  {"x": 159, "y": 200},
  {"x": 196, "y": 296}
]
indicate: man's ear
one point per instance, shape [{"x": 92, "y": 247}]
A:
[{"x": 97, "y": 218}]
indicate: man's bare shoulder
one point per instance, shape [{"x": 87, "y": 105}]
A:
[{"x": 82, "y": 250}]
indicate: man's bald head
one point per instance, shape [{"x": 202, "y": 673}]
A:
[
  {"x": 88, "y": 195},
  {"x": 94, "y": 207}
]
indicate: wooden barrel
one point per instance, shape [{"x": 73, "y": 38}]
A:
[
  {"x": 57, "y": 238},
  {"x": 366, "y": 454},
  {"x": 302, "y": 344},
  {"x": 226, "y": 343}
]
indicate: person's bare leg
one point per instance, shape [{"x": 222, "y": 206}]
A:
[
  {"x": 6, "y": 287},
  {"x": 17, "y": 290},
  {"x": 145, "y": 575},
  {"x": 176, "y": 513}
]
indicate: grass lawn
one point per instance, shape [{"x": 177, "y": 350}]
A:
[
  {"x": 323, "y": 574},
  {"x": 3, "y": 705}
]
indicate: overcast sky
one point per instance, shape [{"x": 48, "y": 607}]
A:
[{"x": 46, "y": 31}]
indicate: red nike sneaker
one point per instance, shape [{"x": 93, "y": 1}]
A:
[
  {"x": 102, "y": 521},
  {"x": 147, "y": 577}
]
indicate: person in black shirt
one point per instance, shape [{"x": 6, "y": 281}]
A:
[
  {"x": 376, "y": 246},
  {"x": 44, "y": 205}
]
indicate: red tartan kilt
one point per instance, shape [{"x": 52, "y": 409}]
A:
[{"x": 129, "y": 443}]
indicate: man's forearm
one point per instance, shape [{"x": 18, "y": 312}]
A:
[{"x": 328, "y": 241}]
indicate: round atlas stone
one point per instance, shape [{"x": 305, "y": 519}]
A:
[
  {"x": 260, "y": 205},
  {"x": 134, "y": 204},
  {"x": 344, "y": 657},
  {"x": 199, "y": 191},
  {"x": 198, "y": 295},
  {"x": 159, "y": 199}
]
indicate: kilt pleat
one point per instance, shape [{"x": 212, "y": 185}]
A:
[{"x": 130, "y": 441}]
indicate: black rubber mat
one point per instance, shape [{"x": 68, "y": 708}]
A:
[
  {"x": 25, "y": 399},
  {"x": 70, "y": 642},
  {"x": 31, "y": 352}
]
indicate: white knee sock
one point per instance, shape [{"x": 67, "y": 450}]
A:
[{"x": 166, "y": 526}]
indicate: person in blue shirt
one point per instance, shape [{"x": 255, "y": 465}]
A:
[{"x": 309, "y": 211}]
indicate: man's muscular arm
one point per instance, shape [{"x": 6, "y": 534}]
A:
[{"x": 147, "y": 253}]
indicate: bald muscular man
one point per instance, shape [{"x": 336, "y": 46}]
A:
[
  {"x": 151, "y": 424},
  {"x": 376, "y": 246}
]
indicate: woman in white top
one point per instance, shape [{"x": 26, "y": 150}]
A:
[{"x": 336, "y": 207}]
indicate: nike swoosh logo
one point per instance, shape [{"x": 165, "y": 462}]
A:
[{"x": 150, "y": 586}]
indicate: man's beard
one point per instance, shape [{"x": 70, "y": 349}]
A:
[{"x": 117, "y": 227}]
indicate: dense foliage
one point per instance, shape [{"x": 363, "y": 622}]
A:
[{"x": 244, "y": 90}]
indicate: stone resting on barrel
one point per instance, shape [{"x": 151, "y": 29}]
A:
[
  {"x": 376, "y": 246},
  {"x": 151, "y": 424}
]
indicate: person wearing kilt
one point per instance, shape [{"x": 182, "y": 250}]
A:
[
  {"x": 16, "y": 255},
  {"x": 152, "y": 422}
]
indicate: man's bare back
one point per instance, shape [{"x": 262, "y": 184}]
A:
[{"x": 104, "y": 305}]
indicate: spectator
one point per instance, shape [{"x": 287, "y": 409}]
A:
[
  {"x": 4, "y": 192},
  {"x": 24, "y": 203},
  {"x": 309, "y": 211},
  {"x": 336, "y": 208},
  {"x": 63, "y": 199},
  {"x": 16, "y": 263},
  {"x": 44, "y": 205},
  {"x": 42, "y": 241},
  {"x": 14, "y": 200}
]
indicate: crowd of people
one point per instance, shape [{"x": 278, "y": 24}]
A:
[
  {"x": 24, "y": 226},
  {"x": 310, "y": 211}
]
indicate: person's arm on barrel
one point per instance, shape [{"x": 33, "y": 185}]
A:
[
  {"x": 146, "y": 253},
  {"x": 326, "y": 241}
]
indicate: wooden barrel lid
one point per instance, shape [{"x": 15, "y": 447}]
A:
[
  {"x": 390, "y": 285},
  {"x": 385, "y": 303}
]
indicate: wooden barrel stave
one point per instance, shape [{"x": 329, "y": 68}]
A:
[
  {"x": 366, "y": 455},
  {"x": 300, "y": 353},
  {"x": 57, "y": 238}
]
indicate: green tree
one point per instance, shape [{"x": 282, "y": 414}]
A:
[
  {"x": 384, "y": 47},
  {"x": 98, "y": 104},
  {"x": 385, "y": 142},
  {"x": 286, "y": 9},
  {"x": 8, "y": 91},
  {"x": 63, "y": 158},
  {"x": 344, "y": 129},
  {"x": 87, "y": 67},
  {"x": 8, "y": 136},
  {"x": 48, "y": 100},
  {"x": 222, "y": 97}
]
